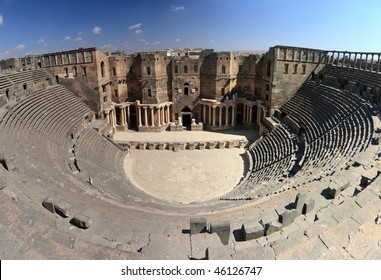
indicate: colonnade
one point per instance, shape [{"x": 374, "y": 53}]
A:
[
  {"x": 219, "y": 115},
  {"x": 153, "y": 114},
  {"x": 362, "y": 61},
  {"x": 220, "y": 119}
]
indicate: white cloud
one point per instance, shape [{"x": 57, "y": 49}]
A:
[
  {"x": 156, "y": 43},
  {"x": 1, "y": 20},
  {"x": 19, "y": 47},
  {"x": 97, "y": 30},
  {"x": 108, "y": 47},
  {"x": 14, "y": 52},
  {"x": 67, "y": 38},
  {"x": 177, "y": 8},
  {"x": 138, "y": 31},
  {"x": 178, "y": 40},
  {"x": 135, "y": 26},
  {"x": 41, "y": 40},
  {"x": 79, "y": 37}
]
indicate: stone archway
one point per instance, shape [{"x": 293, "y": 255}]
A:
[{"x": 186, "y": 116}]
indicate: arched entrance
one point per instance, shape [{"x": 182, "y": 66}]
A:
[{"x": 186, "y": 115}]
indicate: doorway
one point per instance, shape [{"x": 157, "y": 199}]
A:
[{"x": 186, "y": 115}]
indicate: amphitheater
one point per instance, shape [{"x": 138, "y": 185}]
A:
[{"x": 191, "y": 155}]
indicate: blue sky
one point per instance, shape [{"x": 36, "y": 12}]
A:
[{"x": 40, "y": 26}]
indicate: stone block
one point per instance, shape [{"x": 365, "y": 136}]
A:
[
  {"x": 231, "y": 145},
  {"x": 288, "y": 217},
  {"x": 151, "y": 146},
  {"x": 161, "y": 146},
  {"x": 368, "y": 176},
  {"x": 9, "y": 164},
  {"x": 197, "y": 225},
  {"x": 202, "y": 145},
  {"x": 176, "y": 147},
  {"x": 299, "y": 202},
  {"x": 336, "y": 187},
  {"x": 272, "y": 227},
  {"x": 49, "y": 204},
  {"x": 222, "y": 229},
  {"x": 63, "y": 208},
  {"x": 242, "y": 144},
  {"x": 252, "y": 230},
  {"x": 181, "y": 146},
  {"x": 211, "y": 145},
  {"x": 81, "y": 221},
  {"x": 142, "y": 146},
  {"x": 221, "y": 145},
  {"x": 191, "y": 146},
  {"x": 308, "y": 206}
]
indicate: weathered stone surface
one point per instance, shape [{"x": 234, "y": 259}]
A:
[
  {"x": 308, "y": 206},
  {"x": 81, "y": 221},
  {"x": 3, "y": 184},
  {"x": 63, "y": 208},
  {"x": 300, "y": 200},
  {"x": 272, "y": 227},
  {"x": 339, "y": 235},
  {"x": 219, "y": 252},
  {"x": 258, "y": 253},
  {"x": 222, "y": 229},
  {"x": 9, "y": 164},
  {"x": 336, "y": 187},
  {"x": 364, "y": 240},
  {"x": 200, "y": 244},
  {"x": 287, "y": 217},
  {"x": 197, "y": 225},
  {"x": 310, "y": 249},
  {"x": 252, "y": 230},
  {"x": 49, "y": 204}
]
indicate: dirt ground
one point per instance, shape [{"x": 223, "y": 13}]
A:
[{"x": 186, "y": 176}]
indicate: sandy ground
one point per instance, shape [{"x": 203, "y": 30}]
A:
[{"x": 185, "y": 176}]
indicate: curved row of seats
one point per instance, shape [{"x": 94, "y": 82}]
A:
[
  {"x": 353, "y": 75},
  {"x": 318, "y": 108},
  {"x": 336, "y": 125},
  {"x": 93, "y": 147},
  {"x": 54, "y": 112},
  {"x": 273, "y": 158},
  {"x": 4, "y": 82},
  {"x": 29, "y": 76}
]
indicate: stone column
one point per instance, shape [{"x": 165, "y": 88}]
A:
[
  {"x": 233, "y": 115},
  {"x": 145, "y": 116},
  {"x": 158, "y": 116},
  {"x": 168, "y": 117},
  {"x": 214, "y": 115},
  {"x": 378, "y": 64},
  {"x": 220, "y": 116},
  {"x": 227, "y": 115},
  {"x": 360, "y": 61},
  {"x": 124, "y": 118},
  {"x": 108, "y": 116},
  {"x": 152, "y": 117},
  {"x": 371, "y": 63},
  {"x": 162, "y": 115},
  {"x": 210, "y": 114},
  {"x": 250, "y": 114},
  {"x": 203, "y": 112},
  {"x": 139, "y": 116}
]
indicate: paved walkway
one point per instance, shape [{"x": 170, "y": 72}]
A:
[{"x": 185, "y": 136}]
